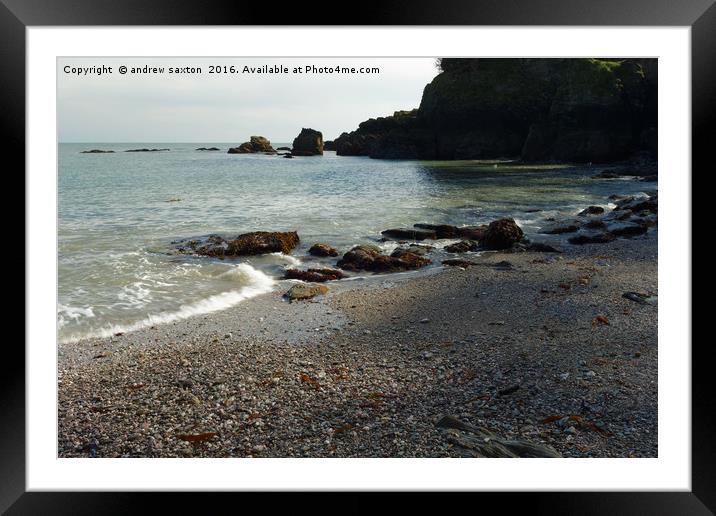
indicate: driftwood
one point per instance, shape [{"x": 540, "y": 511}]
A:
[{"x": 479, "y": 442}]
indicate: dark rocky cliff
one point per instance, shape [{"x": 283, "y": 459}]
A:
[{"x": 580, "y": 110}]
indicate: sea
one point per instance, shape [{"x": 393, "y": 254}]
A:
[{"x": 119, "y": 214}]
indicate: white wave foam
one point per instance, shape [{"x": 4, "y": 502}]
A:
[
  {"x": 65, "y": 313},
  {"x": 255, "y": 283},
  {"x": 291, "y": 260}
]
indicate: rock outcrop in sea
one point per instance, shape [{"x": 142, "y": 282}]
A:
[
  {"x": 308, "y": 143},
  {"x": 255, "y": 145},
  {"x": 576, "y": 110}
]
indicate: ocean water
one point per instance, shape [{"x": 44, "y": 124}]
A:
[{"x": 119, "y": 214}]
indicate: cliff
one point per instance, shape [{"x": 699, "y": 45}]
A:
[{"x": 580, "y": 110}]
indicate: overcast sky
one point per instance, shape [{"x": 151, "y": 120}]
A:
[{"x": 230, "y": 107}]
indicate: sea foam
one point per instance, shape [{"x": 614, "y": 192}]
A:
[{"x": 253, "y": 283}]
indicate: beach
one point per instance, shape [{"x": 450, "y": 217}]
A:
[{"x": 543, "y": 349}]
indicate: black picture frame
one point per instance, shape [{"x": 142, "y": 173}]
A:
[{"x": 699, "y": 15}]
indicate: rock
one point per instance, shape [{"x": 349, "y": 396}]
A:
[
  {"x": 455, "y": 262},
  {"x": 309, "y": 142},
  {"x": 314, "y": 275},
  {"x": 288, "y": 156},
  {"x": 502, "y": 234},
  {"x": 597, "y": 238},
  {"x": 596, "y": 224},
  {"x": 649, "y": 205},
  {"x": 303, "y": 291},
  {"x": 257, "y": 242},
  {"x": 329, "y": 145},
  {"x": 146, "y": 150},
  {"x": 254, "y": 145},
  {"x": 558, "y": 230},
  {"x": 408, "y": 234},
  {"x": 369, "y": 258},
  {"x": 322, "y": 250},
  {"x": 420, "y": 250},
  {"x": 628, "y": 230},
  {"x": 541, "y": 247},
  {"x": 462, "y": 247},
  {"x": 97, "y": 151},
  {"x": 592, "y": 210},
  {"x": 208, "y": 149},
  {"x": 509, "y": 390},
  {"x": 448, "y": 231},
  {"x": 283, "y": 148},
  {"x": 637, "y": 297},
  {"x": 479, "y": 442},
  {"x": 503, "y": 265}
]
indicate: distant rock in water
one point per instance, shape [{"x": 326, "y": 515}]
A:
[
  {"x": 208, "y": 149},
  {"x": 97, "y": 151},
  {"x": 573, "y": 110},
  {"x": 308, "y": 143},
  {"x": 283, "y": 148},
  {"x": 329, "y": 145},
  {"x": 146, "y": 150},
  {"x": 255, "y": 145}
]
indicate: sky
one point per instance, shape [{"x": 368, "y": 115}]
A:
[{"x": 229, "y": 107}]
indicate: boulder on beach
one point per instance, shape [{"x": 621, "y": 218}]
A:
[
  {"x": 319, "y": 249},
  {"x": 303, "y": 291},
  {"x": 254, "y": 145},
  {"x": 369, "y": 258},
  {"x": 420, "y": 250},
  {"x": 572, "y": 227},
  {"x": 314, "y": 275},
  {"x": 309, "y": 142},
  {"x": 502, "y": 234}
]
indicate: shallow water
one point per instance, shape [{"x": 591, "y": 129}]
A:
[{"x": 119, "y": 213}]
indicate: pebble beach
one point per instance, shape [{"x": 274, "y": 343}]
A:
[{"x": 529, "y": 347}]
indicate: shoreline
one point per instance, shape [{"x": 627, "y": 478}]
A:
[{"x": 371, "y": 367}]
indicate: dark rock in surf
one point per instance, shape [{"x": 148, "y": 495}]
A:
[
  {"x": 462, "y": 247},
  {"x": 97, "y": 151},
  {"x": 502, "y": 234},
  {"x": 408, "y": 234},
  {"x": 369, "y": 258},
  {"x": 592, "y": 210},
  {"x": 314, "y": 275},
  {"x": 322, "y": 250}
]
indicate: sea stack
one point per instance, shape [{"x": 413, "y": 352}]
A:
[{"x": 308, "y": 143}]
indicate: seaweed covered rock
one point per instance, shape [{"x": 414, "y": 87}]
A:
[
  {"x": 448, "y": 231},
  {"x": 408, "y": 234},
  {"x": 255, "y": 145},
  {"x": 502, "y": 234},
  {"x": 309, "y": 142},
  {"x": 462, "y": 247}
]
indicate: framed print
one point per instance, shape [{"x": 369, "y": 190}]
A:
[{"x": 383, "y": 256}]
